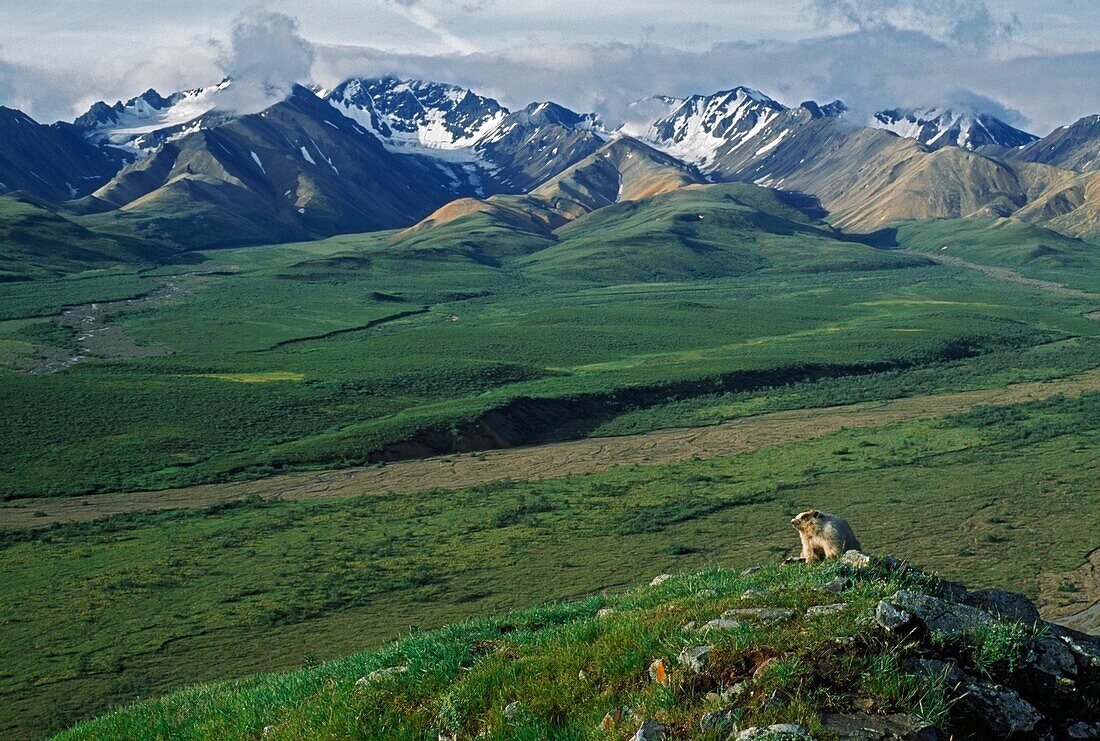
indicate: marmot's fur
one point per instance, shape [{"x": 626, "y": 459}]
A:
[{"x": 823, "y": 535}]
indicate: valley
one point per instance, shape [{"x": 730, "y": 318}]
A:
[{"x": 284, "y": 385}]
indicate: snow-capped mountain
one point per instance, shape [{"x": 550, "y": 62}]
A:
[
  {"x": 946, "y": 127},
  {"x": 413, "y": 116},
  {"x": 486, "y": 147},
  {"x": 696, "y": 129},
  {"x": 143, "y": 123}
]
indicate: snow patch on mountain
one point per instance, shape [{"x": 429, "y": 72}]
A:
[
  {"x": 697, "y": 128},
  {"x": 942, "y": 127},
  {"x": 127, "y": 125}
]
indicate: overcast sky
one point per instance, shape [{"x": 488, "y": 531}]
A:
[{"x": 1035, "y": 62}]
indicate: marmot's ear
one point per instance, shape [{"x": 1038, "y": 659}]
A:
[{"x": 815, "y": 513}]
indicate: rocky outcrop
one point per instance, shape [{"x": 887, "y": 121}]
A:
[{"x": 1012, "y": 675}]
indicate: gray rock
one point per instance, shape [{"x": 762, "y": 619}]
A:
[
  {"x": 998, "y": 712},
  {"x": 689, "y": 626},
  {"x": 1054, "y": 657},
  {"x": 856, "y": 559},
  {"x": 720, "y": 721},
  {"x": 1009, "y": 606},
  {"x": 865, "y": 727},
  {"x": 267, "y": 731},
  {"x": 939, "y": 614},
  {"x": 512, "y": 709},
  {"x": 827, "y": 609},
  {"x": 658, "y": 672},
  {"x": 650, "y": 730},
  {"x": 695, "y": 657},
  {"x": 723, "y": 624},
  {"x": 785, "y": 731},
  {"x": 1084, "y": 730},
  {"x": 659, "y": 580},
  {"x": 936, "y": 669},
  {"x": 952, "y": 591},
  {"x": 890, "y": 617},
  {"x": 707, "y": 593},
  {"x": 766, "y": 614},
  {"x": 753, "y": 593},
  {"x": 838, "y": 585},
  {"x": 1085, "y": 649}
]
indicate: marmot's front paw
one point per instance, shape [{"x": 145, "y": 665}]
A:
[{"x": 793, "y": 559}]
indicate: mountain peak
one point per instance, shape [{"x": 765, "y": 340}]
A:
[
  {"x": 410, "y": 115},
  {"x": 950, "y": 127},
  {"x": 697, "y": 127}
]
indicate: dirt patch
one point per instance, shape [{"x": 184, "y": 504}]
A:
[
  {"x": 1073, "y": 598},
  {"x": 96, "y": 336},
  {"x": 542, "y": 461}
]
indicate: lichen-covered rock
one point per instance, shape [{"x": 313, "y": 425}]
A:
[
  {"x": 1084, "y": 730},
  {"x": 779, "y": 731},
  {"x": 856, "y": 559},
  {"x": 377, "y": 674},
  {"x": 650, "y": 730},
  {"x": 765, "y": 614},
  {"x": 658, "y": 672},
  {"x": 891, "y": 618},
  {"x": 998, "y": 712},
  {"x": 694, "y": 658},
  {"x": 720, "y": 721},
  {"x": 866, "y": 727},
  {"x": 1085, "y": 649},
  {"x": 753, "y": 594},
  {"x": 838, "y": 585},
  {"x": 1008, "y": 606},
  {"x": 940, "y": 614},
  {"x": 660, "y": 579},
  {"x": 827, "y": 609},
  {"x": 723, "y": 624}
]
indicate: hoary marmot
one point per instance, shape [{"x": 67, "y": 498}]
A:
[{"x": 823, "y": 535}]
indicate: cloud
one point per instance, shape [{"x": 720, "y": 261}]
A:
[
  {"x": 415, "y": 12},
  {"x": 968, "y": 22},
  {"x": 874, "y": 54},
  {"x": 265, "y": 56}
]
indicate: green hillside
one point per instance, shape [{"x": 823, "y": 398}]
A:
[
  {"x": 1033, "y": 250},
  {"x": 700, "y": 233},
  {"x": 823, "y": 648},
  {"x": 36, "y": 242}
]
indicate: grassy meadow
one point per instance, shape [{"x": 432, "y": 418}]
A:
[{"x": 107, "y": 612}]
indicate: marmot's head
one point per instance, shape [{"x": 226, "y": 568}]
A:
[{"x": 806, "y": 521}]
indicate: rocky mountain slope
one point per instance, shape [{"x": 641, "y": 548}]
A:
[
  {"x": 51, "y": 162},
  {"x": 1073, "y": 147},
  {"x": 859, "y": 647}
]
